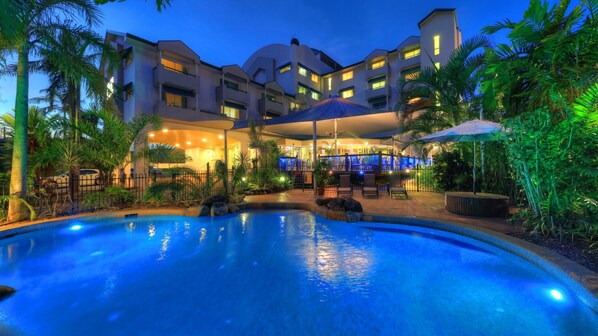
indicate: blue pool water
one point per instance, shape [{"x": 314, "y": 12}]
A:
[{"x": 274, "y": 273}]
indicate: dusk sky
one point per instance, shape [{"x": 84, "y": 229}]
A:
[{"x": 228, "y": 32}]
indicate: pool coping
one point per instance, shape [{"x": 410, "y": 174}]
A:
[{"x": 582, "y": 281}]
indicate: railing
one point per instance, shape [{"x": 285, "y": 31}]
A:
[
  {"x": 377, "y": 163},
  {"x": 418, "y": 178}
]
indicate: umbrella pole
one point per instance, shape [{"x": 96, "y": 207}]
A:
[
  {"x": 474, "y": 164},
  {"x": 315, "y": 157},
  {"x": 335, "y": 138}
]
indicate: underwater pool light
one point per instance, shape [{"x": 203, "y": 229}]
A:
[
  {"x": 557, "y": 295},
  {"x": 76, "y": 227}
]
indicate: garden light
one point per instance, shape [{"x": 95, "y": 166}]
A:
[{"x": 282, "y": 178}]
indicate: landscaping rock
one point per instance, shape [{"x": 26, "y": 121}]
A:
[
  {"x": 216, "y": 199},
  {"x": 336, "y": 204},
  {"x": 233, "y": 208},
  {"x": 353, "y": 205},
  {"x": 192, "y": 212},
  {"x": 219, "y": 209},
  {"x": 337, "y": 215},
  {"x": 6, "y": 291},
  {"x": 322, "y": 211},
  {"x": 204, "y": 210},
  {"x": 353, "y": 217},
  {"x": 323, "y": 201}
]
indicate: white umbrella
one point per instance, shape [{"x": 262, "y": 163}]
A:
[{"x": 473, "y": 130}]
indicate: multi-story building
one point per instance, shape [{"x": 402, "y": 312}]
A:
[{"x": 170, "y": 80}]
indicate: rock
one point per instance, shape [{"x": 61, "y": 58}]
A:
[
  {"x": 249, "y": 193},
  {"x": 233, "y": 208},
  {"x": 336, "y": 204},
  {"x": 352, "y": 205},
  {"x": 323, "y": 201},
  {"x": 337, "y": 215},
  {"x": 219, "y": 209},
  {"x": 216, "y": 199},
  {"x": 204, "y": 210},
  {"x": 353, "y": 217},
  {"x": 322, "y": 211},
  {"x": 6, "y": 291}
]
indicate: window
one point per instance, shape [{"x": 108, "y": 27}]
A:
[
  {"x": 377, "y": 83},
  {"x": 231, "y": 112},
  {"x": 347, "y": 75},
  {"x": 315, "y": 78},
  {"x": 378, "y": 64},
  {"x": 128, "y": 89},
  {"x": 271, "y": 98},
  {"x": 172, "y": 99},
  {"x": 329, "y": 83},
  {"x": 437, "y": 45},
  {"x": 284, "y": 68},
  {"x": 437, "y": 65},
  {"x": 302, "y": 89},
  {"x": 347, "y": 93},
  {"x": 315, "y": 95},
  {"x": 172, "y": 65},
  {"x": 231, "y": 85},
  {"x": 302, "y": 71},
  {"x": 378, "y": 102},
  {"x": 270, "y": 115},
  {"x": 411, "y": 73},
  {"x": 295, "y": 106},
  {"x": 412, "y": 53}
]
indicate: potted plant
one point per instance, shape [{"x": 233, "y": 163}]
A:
[{"x": 321, "y": 175}]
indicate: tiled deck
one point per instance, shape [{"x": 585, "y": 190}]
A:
[{"x": 423, "y": 205}]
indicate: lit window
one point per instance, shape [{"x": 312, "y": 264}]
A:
[
  {"x": 315, "y": 95},
  {"x": 347, "y": 93},
  {"x": 315, "y": 78},
  {"x": 230, "y": 112},
  {"x": 295, "y": 106},
  {"x": 412, "y": 53},
  {"x": 303, "y": 89},
  {"x": 302, "y": 71},
  {"x": 437, "y": 45},
  {"x": 172, "y": 66},
  {"x": 437, "y": 65},
  {"x": 329, "y": 83},
  {"x": 175, "y": 100},
  {"x": 377, "y": 83},
  {"x": 347, "y": 75},
  {"x": 285, "y": 68},
  {"x": 378, "y": 64},
  {"x": 411, "y": 73}
]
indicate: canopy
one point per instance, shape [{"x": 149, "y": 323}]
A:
[{"x": 472, "y": 130}]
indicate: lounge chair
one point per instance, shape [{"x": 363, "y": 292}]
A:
[
  {"x": 369, "y": 186},
  {"x": 396, "y": 186},
  {"x": 345, "y": 187}
]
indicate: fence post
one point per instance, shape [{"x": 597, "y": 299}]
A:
[
  {"x": 417, "y": 176},
  {"x": 379, "y": 162}
]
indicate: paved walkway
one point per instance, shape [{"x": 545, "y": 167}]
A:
[{"x": 424, "y": 205}]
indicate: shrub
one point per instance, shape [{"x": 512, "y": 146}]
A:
[
  {"x": 452, "y": 172},
  {"x": 110, "y": 197}
]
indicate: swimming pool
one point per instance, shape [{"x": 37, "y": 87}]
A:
[{"x": 274, "y": 273}]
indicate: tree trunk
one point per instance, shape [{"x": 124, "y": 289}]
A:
[{"x": 18, "y": 176}]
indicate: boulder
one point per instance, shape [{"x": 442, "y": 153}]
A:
[
  {"x": 337, "y": 215},
  {"x": 322, "y": 211},
  {"x": 353, "y": 217},
  {"x": 323, "y": 201},
  {"x": 219, "y": 209},
  {"x": 192, "y": 211},
  {"x": 204, "y": 210},
  {"x": 6, "y": 291},
  {"x": 352, "y": 205},
  {"x": 233, "y": 208},
  {"x": 216, "y": 199},
  {"x": 336, "y": 204}
]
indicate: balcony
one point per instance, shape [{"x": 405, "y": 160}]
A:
[
  {"x": 185, "y": 114},
  {"x": 385, "y": 91},
  {"x": 383, "y": 70},
  {"x": 163, "y": 75},
  {"x": 226, "y": 93},
  {"x": 266, "y": 105}
]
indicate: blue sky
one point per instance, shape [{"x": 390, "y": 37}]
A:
[{"x": 228, "y": 32}]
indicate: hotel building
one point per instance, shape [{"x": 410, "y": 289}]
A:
[{"x": 195, "y": 99}]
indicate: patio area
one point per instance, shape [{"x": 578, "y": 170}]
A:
[{"x": 423, "y": 205}]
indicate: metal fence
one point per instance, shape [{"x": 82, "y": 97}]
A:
[
  {"x": 420, "y": 178},
  {"x": 61, "y": 195}
]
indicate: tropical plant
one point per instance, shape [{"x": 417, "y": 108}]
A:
[
  {"x": 544, "y": 83},
  {"x": 108, "y": 198},
  {"x": 452, "y": 171},
  {"x": 108, "y": 144},
  {"x": 36, "y": 24},
  {"x": 266, "y": 164},
  {"x": 160, "y": 4}
]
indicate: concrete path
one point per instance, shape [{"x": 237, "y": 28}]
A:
[{"x": 423, "y": 205}]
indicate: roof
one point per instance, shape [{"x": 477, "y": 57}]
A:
[{"x": 434, "y": 12}]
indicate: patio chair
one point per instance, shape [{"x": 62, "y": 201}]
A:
[
  {"x": 396, "y": 186},
  {"x": 345, "y": 187},
  {"x": 369, "y": 186}
]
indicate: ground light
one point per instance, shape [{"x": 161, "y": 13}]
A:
[{"x": 282, "y": 179}]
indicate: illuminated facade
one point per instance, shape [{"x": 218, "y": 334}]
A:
[{"x": 169, "y": 79}]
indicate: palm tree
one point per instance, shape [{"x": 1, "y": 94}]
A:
[
  {"x": 443, "y": 97},
  {"x": 160, "y": 4},
  {"x": 37, "y": 24}
]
